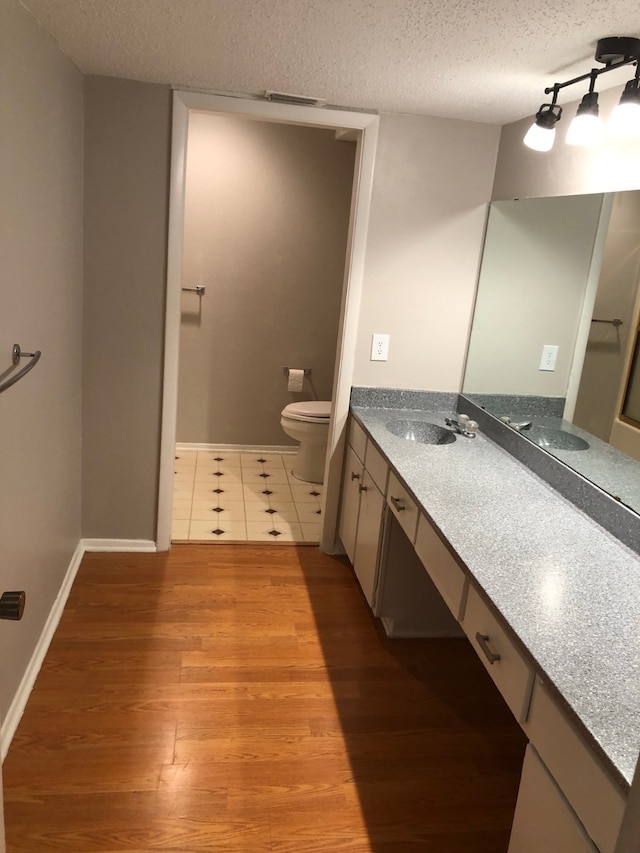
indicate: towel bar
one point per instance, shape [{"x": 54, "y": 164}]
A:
[{"x": 16, "y": 355}]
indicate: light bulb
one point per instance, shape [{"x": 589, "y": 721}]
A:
[
  {"x": 585, "y": 129},
  {"x": 542, "y": 133},
  {"x": 540, "y": 138},
  {"x": 624, "y": 122}
]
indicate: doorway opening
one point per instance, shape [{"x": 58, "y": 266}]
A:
[
  {"x": 189, "y": 109},
  {"x": 266, "y": 222}
]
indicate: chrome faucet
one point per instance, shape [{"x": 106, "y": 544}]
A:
[
  {"x": 463, "y": 425},
  {"x": 517, "y": 425}
]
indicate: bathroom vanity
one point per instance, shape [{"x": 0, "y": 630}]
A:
[{"x": 462, "y": 538}]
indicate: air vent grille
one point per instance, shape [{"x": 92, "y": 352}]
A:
[{"x": 302, "y": 100}]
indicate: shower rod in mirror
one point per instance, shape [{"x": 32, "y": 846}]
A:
[
  {"x": 615, "y": 322},
  {"x": 199, "y": 289}
]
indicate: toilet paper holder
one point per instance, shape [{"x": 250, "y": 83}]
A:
[{"x": 306, "y": 370}]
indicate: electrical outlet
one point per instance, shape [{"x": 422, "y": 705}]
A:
[
  {"x": 549, "y": 357},
  {"x": 379, "y": 347}
]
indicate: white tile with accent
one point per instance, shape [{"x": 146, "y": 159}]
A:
[
  {"x": 222, "y": 496},
  {"x": 272, "y": 493},
  {"x": 207, "y": 531},
  {"x": 280, "y": 532}
]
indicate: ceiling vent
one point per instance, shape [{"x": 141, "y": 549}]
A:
[{"x": 302, "y": 100}]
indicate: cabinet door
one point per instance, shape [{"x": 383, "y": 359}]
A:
[
  {"x": 357, "y": 439},
  {"x": 544, "y": 821},
  {"x": 365, "y": 562},
  {"x": 376, "y": 465},
  {"x": 353, "y": 471}
]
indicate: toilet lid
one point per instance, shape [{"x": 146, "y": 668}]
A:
[{"x": 309, "y": 409}]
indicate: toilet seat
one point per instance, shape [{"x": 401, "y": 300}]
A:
[{"x": 311, "y": 411}]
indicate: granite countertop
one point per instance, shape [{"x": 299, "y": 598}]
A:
[{"x": 568, "y": 589}]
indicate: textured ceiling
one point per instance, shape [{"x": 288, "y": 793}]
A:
[{"x": 485, "y": 60}]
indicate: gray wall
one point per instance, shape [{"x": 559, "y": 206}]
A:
[
  {"x": 127, "y": 139},
  {"x": 266, "y": 219},
  {"x": 40, "y": 308},
  {"x": 432, "y": 184}
]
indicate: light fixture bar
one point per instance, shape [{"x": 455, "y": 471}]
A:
[
  {"x": 614, "y": 52},
  {"x": 596, "y": 71}
]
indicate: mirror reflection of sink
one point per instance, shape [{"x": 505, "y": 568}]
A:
[
  {"x": 423, "y": 432},
  {"x": 555, "y": 439}
]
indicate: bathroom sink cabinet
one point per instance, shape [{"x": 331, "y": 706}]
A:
[{"x": 568, "y": 801}]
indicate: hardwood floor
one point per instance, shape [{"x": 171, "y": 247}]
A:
[{"x": 243, "y": 698}]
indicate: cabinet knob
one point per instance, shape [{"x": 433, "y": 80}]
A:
[
  {"x": 12, "y": 605},
  {"x": 397, "y": 503},
  {"x": 355, "y": 476},
  {"x": 362, "y": 488}
]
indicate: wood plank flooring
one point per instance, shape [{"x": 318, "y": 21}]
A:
[{"x": 243, "y": 698}]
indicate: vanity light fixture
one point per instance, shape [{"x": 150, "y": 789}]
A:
[{"x": 586, "y": 129}]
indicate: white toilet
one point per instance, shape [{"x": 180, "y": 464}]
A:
[{"x": 308, "y": 423}]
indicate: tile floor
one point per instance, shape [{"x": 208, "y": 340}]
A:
[{"x": 221, "y": 496}]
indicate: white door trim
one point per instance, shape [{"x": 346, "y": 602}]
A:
[{"x": 367, "y": 126}]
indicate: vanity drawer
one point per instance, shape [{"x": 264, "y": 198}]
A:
[
  {"x": 441, "y": 567},
  {"x": 403, "y": 506},
  {"x": 594, "y": 797},
  {"x": 376, "y": 465},
  {"x": 357, "y": 439},
  {"x": 503, "y": 661}
]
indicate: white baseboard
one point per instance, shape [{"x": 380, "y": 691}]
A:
[
  {"x": 16, "y": 709},
  {"x": 239, "y": 448},
  {"x": 145, "y": 545}
]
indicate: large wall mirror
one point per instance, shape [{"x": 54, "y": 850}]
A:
[{"x": 554, "y": 327}]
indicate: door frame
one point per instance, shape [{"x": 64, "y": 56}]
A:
[{"x": 365, "y": 125}]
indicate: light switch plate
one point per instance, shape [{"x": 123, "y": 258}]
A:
[
  {"x": 379, "y": 347},
  {"x": 549, "y": 357}
]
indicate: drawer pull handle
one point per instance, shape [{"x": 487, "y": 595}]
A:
[
  {"x": 362, "y": 488},
  {"x": 397, "y": 502},
  {"x": 354, "y": 476},
  {"x": 483, "y": 642}
]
